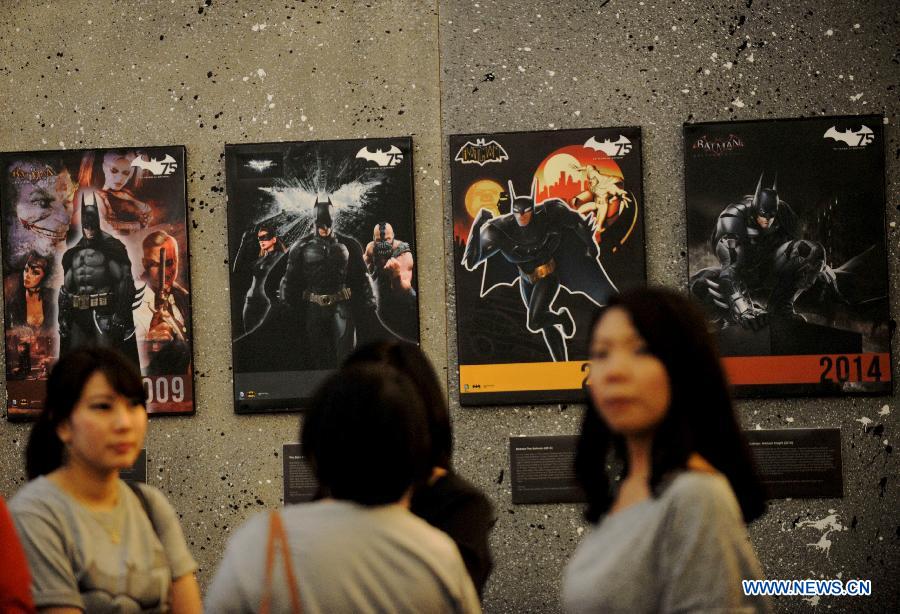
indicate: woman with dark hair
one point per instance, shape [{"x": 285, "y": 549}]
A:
[
  {"x": 258, "y": 263},
  {"x": 671, "y": 535},
  {"x": 30, "y": 300},
  {"x": 357, "y": 549},
  {"x": 445, "y": 500},
  {"x": 94, "y": 543}
]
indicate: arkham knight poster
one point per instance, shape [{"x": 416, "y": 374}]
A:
[
  {"x": 95, "y": 252},
  {"x": 321, "y": 243},
  {"x": 546, "y": 227},
  {"x": 787, "y": 254}
]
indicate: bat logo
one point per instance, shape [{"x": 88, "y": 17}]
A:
[
  {"x": 614, "y": 149},
  {"x": 860, "y": 138},
  {"x": 391, "y": 157},
  {"x": 481, "y": 153},
  {"x": 166, "y": 166},
  {"x": 260, "y": 166}
]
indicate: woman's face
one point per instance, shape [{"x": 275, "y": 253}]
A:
[
  {"x": 266, "y": 240},
  {"x": 105, "y": 431},
  {"x": 33, "y": 275},
  {"x": 116, "y": 172},
  {"x": 629, "y": 386}
]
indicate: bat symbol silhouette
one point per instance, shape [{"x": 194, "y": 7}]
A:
[
  {"x": 391, "y": 157},
  {"x": 619, "y": 147},
  {"x": 860, "y": 138},
  {"x": 166, "y": 166}
]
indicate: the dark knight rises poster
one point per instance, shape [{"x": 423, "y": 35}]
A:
[
  {"x": 787, "y": 255},
  {"x": 546, "y": 227},
  {"x": 322, "y": 255},
  {"x": 95, "y": 252}
]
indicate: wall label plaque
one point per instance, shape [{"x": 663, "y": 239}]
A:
[{"x": 542, "y": 469}]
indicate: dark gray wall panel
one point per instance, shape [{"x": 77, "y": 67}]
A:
[{"x": 525, "y": 65}]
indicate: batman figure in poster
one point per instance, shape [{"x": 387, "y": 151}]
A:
[{"x": 544, "y": 247}]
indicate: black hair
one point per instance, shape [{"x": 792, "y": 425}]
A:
[
  {"x": 409, "y": 359},
  {"x": 365, "y": 435},
  {"x": 700, "y": 417},
  {"x": 44, "y": 260},
  {"x": 45, "y": 451}
]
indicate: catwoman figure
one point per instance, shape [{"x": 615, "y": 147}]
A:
[
  {"x": 326, "y": 291},
  {"x": 763, "y": 263},
  {"x": 543, "y": 247},
  {"x": 260, "y": 252}
]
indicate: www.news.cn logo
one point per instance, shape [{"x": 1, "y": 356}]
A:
[{"x": 807, "y": 588}]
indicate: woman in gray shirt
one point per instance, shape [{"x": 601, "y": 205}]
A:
[
  {"x": 671, "y": 535},
  {"x": 93, "y": 543},
  {"x": 357, "y": 549}
]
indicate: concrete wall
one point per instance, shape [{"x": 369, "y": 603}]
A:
[{"x": 200, "y": 73}]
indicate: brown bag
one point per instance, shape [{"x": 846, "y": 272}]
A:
[{"x": 277, "y": 537}]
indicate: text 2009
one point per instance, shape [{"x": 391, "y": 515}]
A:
[{"x": 164, "y": 389}]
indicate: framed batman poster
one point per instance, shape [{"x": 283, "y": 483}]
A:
[
  {"x": 95, "y": 252},
  {"x": 321, "y": 240},
  {"x": 787, "y": 254},
  {"x": 546, "y": 227}
]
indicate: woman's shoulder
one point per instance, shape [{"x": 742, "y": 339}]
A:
[
  {"x": 41, "y": 503},
  {"x": 149, "y": 498},
  {"x": 151, "y": 493},
  {"x": 37, "y": 494},
  {"x": 701, "y": 493}
]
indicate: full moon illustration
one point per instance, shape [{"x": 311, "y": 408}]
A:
[
  {"x": 483, "y": 194},
  {"x": 560, "y": 163}
]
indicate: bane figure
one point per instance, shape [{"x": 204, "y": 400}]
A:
[
  {"x": 326, "y": 291},
  {"x": 98, "y": 297},
  {"x": 543, "y": 247},
  {"x": 390, "y": 263},
  {"x": 763, "y": 263}
]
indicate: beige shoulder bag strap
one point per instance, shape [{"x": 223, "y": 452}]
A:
[{"x": 277, "y": 537}]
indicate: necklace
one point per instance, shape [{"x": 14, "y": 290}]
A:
[{"x": 111, "y": 521}]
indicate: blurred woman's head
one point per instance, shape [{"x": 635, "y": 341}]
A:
[
  {"x": 409, "y": 359},
  {"x": 93, "y": 414},
  {"x": 366, "y": 436},
  {"x": 655, "y": 372}
]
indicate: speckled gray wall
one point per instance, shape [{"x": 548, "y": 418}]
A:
[
  {"x": 527, "y": 65},
  {"x": 202, "y": 73},
  {"x": 206, "y": 72}
]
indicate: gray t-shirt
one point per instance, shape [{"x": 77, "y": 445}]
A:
[
  {"x": 346, "y": 558},
  {"x": 686, "y": 550},
  {"x": 100, "y": 561}
]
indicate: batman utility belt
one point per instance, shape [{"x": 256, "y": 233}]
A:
[
  {"x": 88, "y": 301},
  {"x": 326, "y": 300},
  {"x": 541, "y": 272}
]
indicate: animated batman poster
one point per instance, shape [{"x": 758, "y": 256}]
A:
[
  {"x": 95, "y": 252},
  {"x": 323, "y": 258},
  {"x": 546, "y": 227},
  {"x": 786, "y": 252}
]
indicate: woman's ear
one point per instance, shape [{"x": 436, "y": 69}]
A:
[{"x": 64, "y": 432}]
